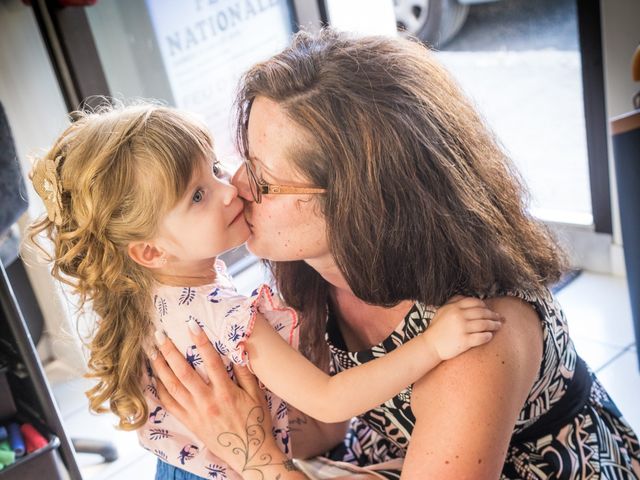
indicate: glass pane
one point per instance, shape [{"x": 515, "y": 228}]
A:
[
  {"x": 520, "y": 62},
  {"x": 190, "y": 54}
]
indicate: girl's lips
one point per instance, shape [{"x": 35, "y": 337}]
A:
[{"x": 237, "y": 217}]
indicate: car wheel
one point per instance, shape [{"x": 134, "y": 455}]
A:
[{"x": 432, "y": 21}]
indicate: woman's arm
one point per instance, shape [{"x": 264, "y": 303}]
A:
[
  {"x": 457, "y": 326},
  {"x": 232, "y": 420},
  {"x": 466, "y": 408},
  {"x": 310, "y": 437}
]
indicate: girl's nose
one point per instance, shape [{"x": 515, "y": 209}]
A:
[
  {"x": 241, "y": 182},
  {"x": 229, "y": 194}
]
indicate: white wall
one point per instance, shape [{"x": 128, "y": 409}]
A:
[
  {"x": 621, "y": 36},
  {"x": 37, "y": 114}
]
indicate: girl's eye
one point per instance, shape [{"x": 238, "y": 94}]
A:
[
  {"x": 198, "y": 196},
  {"x": 216, "y": 168}
]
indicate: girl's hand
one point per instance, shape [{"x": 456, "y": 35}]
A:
[
  {"x": 232, "y": 420},
  {"x": 461, "y": 324}
]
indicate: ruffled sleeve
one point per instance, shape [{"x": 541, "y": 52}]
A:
[{"x": 235, "y": 317}]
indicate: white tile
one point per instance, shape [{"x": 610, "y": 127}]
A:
[
  {"x": 596, "y": 354},
  {"x": 82, "y": 424},
  {"x": 597, "y": 308},
  {"x": 621, "y": 378},
  {"x": 59, "y": 372},
  {"x": 70, "y": 396},
  {"x": 144, "y": 468}
]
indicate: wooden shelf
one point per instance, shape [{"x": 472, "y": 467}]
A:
[{"x": 625, "y": 123}]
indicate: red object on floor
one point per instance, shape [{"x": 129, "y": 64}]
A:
[
  {"x": 69, "y": 3},
  {"x": 32, "y": 438}
]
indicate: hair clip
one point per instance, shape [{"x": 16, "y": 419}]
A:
[{"x": 44, "y": 177}]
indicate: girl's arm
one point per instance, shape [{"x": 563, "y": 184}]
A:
[
  {"x": 310, "y": 437},
  {"x": 456, "y": 327},
  {"x": 466, "y": 408}
]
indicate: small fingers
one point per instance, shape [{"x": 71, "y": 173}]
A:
[
  {"x": 477, "y": 339},
  {"x": 484, "y": 325},
  {"x": 477, "y": 313}
]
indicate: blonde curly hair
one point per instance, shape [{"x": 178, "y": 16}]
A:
[{"x": 118, "y": 170}]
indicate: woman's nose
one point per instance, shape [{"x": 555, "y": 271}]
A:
[{"x": 241, "y": 182}]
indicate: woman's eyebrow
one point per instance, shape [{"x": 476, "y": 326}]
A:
[{"x": 263, "y": 167}]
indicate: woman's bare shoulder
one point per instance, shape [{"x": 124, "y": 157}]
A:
[
  {"x": 514, "y": 307},
  {"x": 510, "y": 360},
  {"x": 476, "y": 396}
]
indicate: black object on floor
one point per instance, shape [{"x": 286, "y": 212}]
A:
[
  {"x": 30, "y": 388},
  {"x": 566, "y": 279}
]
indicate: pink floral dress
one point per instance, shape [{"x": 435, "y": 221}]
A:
[{"x": 227, "y": 318}]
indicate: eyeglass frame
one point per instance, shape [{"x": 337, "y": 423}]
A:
[{"x": 259, "y": 188}]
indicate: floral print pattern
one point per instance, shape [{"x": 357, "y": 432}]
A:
[{"x": 227, "y": 318}]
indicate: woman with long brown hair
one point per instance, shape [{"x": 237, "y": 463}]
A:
[{"x": 421, "y": 205}]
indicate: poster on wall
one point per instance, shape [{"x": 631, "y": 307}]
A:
[{"x": 206, "y": 45}]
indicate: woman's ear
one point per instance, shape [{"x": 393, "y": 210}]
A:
[{"x": 147, "y": 254}]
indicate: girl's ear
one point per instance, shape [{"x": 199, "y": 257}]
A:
[{"x": 147, "y": 254}]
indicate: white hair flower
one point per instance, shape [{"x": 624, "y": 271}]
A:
[{"x": 44, "y": 177}]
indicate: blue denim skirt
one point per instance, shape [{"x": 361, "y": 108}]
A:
[{"x": 166, "y": 471}]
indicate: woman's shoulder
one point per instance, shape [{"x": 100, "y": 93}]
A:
[
  {"x": 513, "y": 307},
  {"x": 515, "y": 352},
  {"x": 525, "y": 314},
  {"x": 533, "y": 304},
  {"x": 496, "y": 378}
]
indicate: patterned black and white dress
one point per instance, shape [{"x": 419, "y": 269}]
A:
[{"x": 596, "y": 444}]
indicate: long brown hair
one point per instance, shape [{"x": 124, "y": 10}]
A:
[
  {"x": 118, "y": 170},
  {"x": 421, "y": 201}
]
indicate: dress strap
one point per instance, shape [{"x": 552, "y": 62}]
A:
[{"x": 561, "y": 413}]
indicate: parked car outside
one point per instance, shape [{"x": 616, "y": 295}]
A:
[{"x": 435, "y": 22}]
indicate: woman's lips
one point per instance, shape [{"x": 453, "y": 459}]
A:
[{"x": 237, "y": 217}]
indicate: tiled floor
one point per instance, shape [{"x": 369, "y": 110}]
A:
[{"x": 597, "y": 307}]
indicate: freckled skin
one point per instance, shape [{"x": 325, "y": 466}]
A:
[{"x": 271, "y": 136}]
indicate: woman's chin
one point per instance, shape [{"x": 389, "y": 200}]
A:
[
  {"x": 254, "y": 246},
  {"x": 263, "y": 250}
]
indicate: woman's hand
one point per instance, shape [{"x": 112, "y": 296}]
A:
[{"x": 232, "y": 420}]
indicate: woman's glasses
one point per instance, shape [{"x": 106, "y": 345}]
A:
[{"x": 259, "y": 188}]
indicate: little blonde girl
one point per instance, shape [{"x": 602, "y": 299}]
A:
[{"x": 138, "y": 209}]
